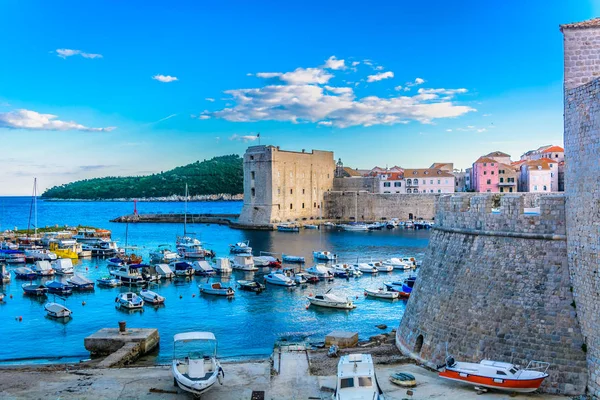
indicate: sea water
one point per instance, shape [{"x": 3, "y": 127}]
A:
[{"x": 245, "y": 326}]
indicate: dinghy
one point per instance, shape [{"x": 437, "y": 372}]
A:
[
  {"x": 108, "y": 282},
  {"x": 129, "y": 301},
  {"x": 292, "y": 259},
  {"x": 216, "y": 288},
  {"x": 330, "y": 301},
  {"x": 381, "y": 294},
  {"x": 58, "y": 311},
  {"x": 151, "y": 297},
  {"x": 356, "y": 379},
  {"x": 25, "y": 273},
  {"x": 80, "y": 283}
]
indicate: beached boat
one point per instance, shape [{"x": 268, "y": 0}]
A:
[
  {"x": 34, "y": 289},
  {"x": 240, "y": 247},
  {"x": 128, "y": 275},
  {"x": 63, "y": 266},
  {"x": 151, "y": 297},
  {"x": 58, "y": 311},
  {"x": 381, "y": 293},
  {"x": 81, "y": 283},
  {"x": 397, "y": 263},
  {"x": 292, "y": 259},
  {"x": 243, "y": 262},
  {"x": 4, "y": 274},
  {"x": 203, "y": 268},
  {"x": 222, "y": 265},
  {"x": 330, "y": 301},
  {"x": 164, "y": 271},
  {"x": 497, "y": 375},
  {"x": 381, "y": 267},
  {"x": 108, "y": 282},
  {"x": 196, "y": 371},
  {"x": 216, "y": 288},
  {"x": 182, "y": 268},
  {"x": 251, "y": 286},
  {"x": 25, "y": 273},
  {"x": 129, "y": 301},
  {"x": 324, "y": 255},
  {"x": 56, "y": 287},
  {"x": 356, "y": 379},
  {"x": 280, "y": 279},
  {"x": 288, "y": 227},
  {"x": 163, "y": 254},
  {"x": 321, "y": 271},
  {"x": 43, "y": 268}
]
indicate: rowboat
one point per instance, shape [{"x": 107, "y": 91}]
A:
[
  {"x": 251, "y": 286},
  {"x": 129, "y": 301},
  {"x": 381, "y": 294},
  {"x": 55, "y": 310},
  {"x": 80, "y": 283},
  {"x": 287, "y": 227},
  {"x": 108, "y": 282}
]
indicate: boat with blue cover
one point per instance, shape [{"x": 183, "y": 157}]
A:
[{"x": 56, "y": 287}]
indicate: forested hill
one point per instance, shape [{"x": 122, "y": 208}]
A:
[{"x": 215, "y": 176}]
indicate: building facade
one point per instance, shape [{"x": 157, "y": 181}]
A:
[
  {"x": 539, "y": 175},
  {"x": 485, "y": 175},
  {"x": 428, "y": 180}
]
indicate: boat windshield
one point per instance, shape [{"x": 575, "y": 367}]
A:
[
  {"x": 365, "y": 381},
  {"x": 514, "y": 370},
  {"x": 346, "y": 383},
  {"x": 194, "y": 349}
]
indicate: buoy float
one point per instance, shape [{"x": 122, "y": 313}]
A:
[
  {"x": 365, "y": 293},
  {"x": 86, "y": 268},
  {"x": 83, "y": 303},
  {"x": 180, "y": 296},
  {"x": 194, "y": 295},
  {"x": 307, "y": 306},
  {"x": 20, "y": 319},
  {"x": 11, "y": 296}
]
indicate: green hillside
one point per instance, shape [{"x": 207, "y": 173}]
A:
[{"x": 218, "y": 175}]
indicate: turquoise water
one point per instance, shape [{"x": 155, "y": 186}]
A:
[{"x": 247, "y": 325}]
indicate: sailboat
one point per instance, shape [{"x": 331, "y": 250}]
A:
[
  {"x": 35, "y": 252},
  {"x": 188, "y": 246}
]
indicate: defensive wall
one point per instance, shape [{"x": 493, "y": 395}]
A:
[
  {"x": 496, "y": 285},
  {"x": 362, "y": 183}
]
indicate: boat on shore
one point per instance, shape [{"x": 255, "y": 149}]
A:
[
  {"x": 380, "y": 293},
  {"x": 292, "y": 259},
  {"x": 58, "y": 311},
  {"x": 331, "y": 301},
  {"x": 129, "y": 301},
  {"x": 216, "y": 289},
  {"x": 151, "y": 297},
  {"x": 356, "y": 379}
]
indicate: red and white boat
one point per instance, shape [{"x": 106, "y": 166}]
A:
[{"x": 497, "y": 375}]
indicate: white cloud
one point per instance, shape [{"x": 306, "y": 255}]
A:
[
  {"x": 379, "y": 68},
  {"x": 334, "y": 63},
  {"x": 419, "y": 81},
  {"x": 448, "y": 130},
  {"x": 64, "y": 53},
  {"x": 380, "y": 76},
  {"x": 27, "y": 119},
  {"x": 204, "y": 116},
  {"x": 487, "y": 115},
  {"x": 325, "y": 123},
  {"x": 165, "y": 78},
  {"x": 210, "y": 99},
  {"x": 355, "y": 63},
  {"x": 398, "y": 88},
  {"x": 340, "y": 90},
  {"x": 244, "y": 138},
  {"x": 441, "y": 91},
  {"x": 299, "y": 76},
  {"x": 481, "y": 130}
]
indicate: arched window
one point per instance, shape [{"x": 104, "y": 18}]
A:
[
  {"x": 409, "y": 181},
  {"x": 419, "y": 344}
]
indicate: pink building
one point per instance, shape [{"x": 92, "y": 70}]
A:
[{"x": 485, "y": 175}]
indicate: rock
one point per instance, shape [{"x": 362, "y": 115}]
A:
[
  {"x": 381, "y": 326},
  {"x": 378, "y": 338}
]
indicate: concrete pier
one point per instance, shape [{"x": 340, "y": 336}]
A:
[{"x": 121, "y": 348}]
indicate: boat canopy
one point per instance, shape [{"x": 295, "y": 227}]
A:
[{"x": 184, "y": 337}]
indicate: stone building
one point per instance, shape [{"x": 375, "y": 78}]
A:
[{"x": 282, "y": 185}]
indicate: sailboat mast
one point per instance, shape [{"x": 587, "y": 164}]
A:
[
  {"x": 35, "y": 205},
  {"x": 185, "y": 213}
]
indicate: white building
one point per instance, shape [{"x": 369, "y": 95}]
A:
[
  {"x": 428, "y": 180},
  {"x": 539, "y": 176},
  {"x": 392, "y": 182}
]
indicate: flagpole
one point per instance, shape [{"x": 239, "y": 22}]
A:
[{"x": 258, "y": 136}]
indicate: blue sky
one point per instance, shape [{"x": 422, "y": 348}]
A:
[{"x": 87, "y": 89}]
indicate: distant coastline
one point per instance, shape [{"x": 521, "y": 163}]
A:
[{"x": 173, "y": 198}]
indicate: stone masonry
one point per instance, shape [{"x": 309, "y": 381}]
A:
[{"x": 582, "y": 52}]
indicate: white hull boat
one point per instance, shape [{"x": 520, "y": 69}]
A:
[
  {"x": 320, "y": 271},
  {"x": 58, "y": 311},
  {"x": 216, "y": 289},
  {"x": 108, "y": 282},
  {"x": 151, "y": 297},
  {"x": 222, "y": 265},
  {"x": 366, "y": 268},
  {"x": 331, "y": 301},
  {"x": 40, "y": 254},
  {"x": 324, "y": 255},
  {"x": 129, "y": 301},
  {"x": 243, "y": 262},
  {"x": 163, "y": 255},
  {"x": 182, "y": 268},
  {"x": 381, "y": 267},
  {"x": 241, "y": 248},
  {"x": 292, "y": 259},
  {"x": 280, "y": 279},
  {"x": 202, "y": 268},
  {"x": 43, "y": 268},
  {"x": 397, "y": 263},
  {"x": 63, "y": 266},
  {"x": 381, "y": 294},
  {"x": 128, "y": 275},
  {"x": 80, "y": 283},
  {"x": 164, "y": 271},
  {"x": 356, "y": 379}
]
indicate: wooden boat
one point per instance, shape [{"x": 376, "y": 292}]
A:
[
  {"x": 80, "y": 283},
  {"x": 34, "y": 289},
  {"x": 497, "y": 375},
  {"x": 58, "y": 311},
  {"x": 403, "y": 379},
  {"x": 330, "y": 301},
  {"x": 129, "y": 301},
  {"x": 216, "y": 288},
  {"x": 151, "y": 297},
  {"x": 292, "y": 259},
  {"x": 381, "y": 294},
  {"x": 56, "y": 287},
  {"x": 356, "y": 379},
  {"x": 108, "y": 282},
  {"x": 251, "y": 286}
]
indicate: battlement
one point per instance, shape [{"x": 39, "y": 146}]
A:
[{"x": 477, "y": 214}]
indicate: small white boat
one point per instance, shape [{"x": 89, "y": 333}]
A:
[
  {"x": 292, "y": 259},
  {"x": 311, "y": 226},
  {"x": 347, "y": 269},
  {"x": 397, "y": 263},
  {"x": 55, "y": 310},
  {"x": 321, "y": 271},
  {"x": 163, "y": 254},
  {"x": 80, "y": 283},
  {"x": 108, "y": 282},
  {"x": 129, "y": 300},
  {"x": 40, "y": 254},
  {"x": 222, "y": 265},
  {"x": 280, "y": 279},
  {"x": 357, "y": 227},
  {"x": 324, "y": 255},
  {"x": 330, "y": 301},
  {"x": 151, "y": 297},
  {"x": 216, "y": 288},
  {"x": 63, "y": 266},
  {"x": 356, "y": 379},
  {"x": 267, "y": 261},
  {"x": 381, "y": 293},
  {"x": 241, "y": 247},
  {"x": 164, "y": 271},
  {"x": 25, "y": 273},
  {"x": 329, "y": 223},
  {"x": 381, "y": 267},
  {"x": 4, "y": 274},
  {"x": 288, "y": 227},
  {"x": 243, "y": 262},
  {"x": 43, "y": 268},
  {"x": 196, "y": 371},
  {"x": 128, "y": 274},
  {"x": 1, "y": 297},
  {"x": 366, "y": 268},
  {"x": 203, "y": 268}
]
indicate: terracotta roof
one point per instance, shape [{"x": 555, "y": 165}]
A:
[
  {"x": 590, "y": 23},
  {"x": 426, "y": 173},
  {"x": 497, "y": 154},
  {"x": 544, "y": 163},
  {"x": 485, "y": 159},
  {"x": 554, "y": 149},
  {"x": 510, "y": 167},
  {"x": 394, "y": 176},
  {"x": 351, "y": 172}
]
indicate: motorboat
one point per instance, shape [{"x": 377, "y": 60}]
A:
[
  {"x": 37, "y": 253},
  {"x": 108, "y": 282},
  {"x": 58, "y": 311},
  {"x": 80, "y": 283},
  {"x": 86, "y": 235},
  {"x": 345, "y": 270},
  {"x": 366, "y": 268},
  {"x": 151, "y": 297},
  {"x": 163, "y": 254},
  {"x": 164, "y": 271},
  {"x": 149, "y": 273},
  {"x": 267, "y": 261},
  {"x": 12, "y": 256},
  {"x": 63, "y": 266},
  {"x": 321, "y": 271},
  {"x": 1, "y": 297},
  {"x": 34, "y": 289},
  {"x": 43, "y": 268},
  {"x": 25, "y": 273},
  {"x": 381, "y": 267},
  {"x": 251, "y": 286},
  {"x": 122, "y": 259},
  {"x": 216, "y": 288},
  {"x": 129, "y": 301},
  {"x": 408, "y": 284},
  {"x": 331, "y": 301},
  {"x": 311, "y": 226},
  {"x": 56, "y": 287},
  {"x": 243, "y": 262},
  {"x": 356, "y": 379},
  {"x": 182, "y": 268},
  {"x": 222, "y": 265},
  {"x": 128, "y": 274},
  {"x": 354, "y": 227},
  {"x": 324, "y": 255},
  {"x": 65, "y": 249},
  {"x": 328, "y": 223},
  {"x": 397, "y": 263},
  {"x": 376, "y": 226},
  {"x": 240, "y": 247},
  {"x": 292, "y": 259},
  {"x": 195, "y": 366},
  {"x": 280, "y": 279},
  {"x": 380, "y": 293},
  {"x": 4, "y": 274},
  {"x": 308, "y": 278},
  {"x": 497, "y": 375},
  {"x": 191, "y": 248},
  {"x": 101, "y": 248},
  {"x": 203, "y": 268},
  {"x": 4, "y": 245},
  {"x": 391, "y": 224},
  {"x": 288, "y": 227}
]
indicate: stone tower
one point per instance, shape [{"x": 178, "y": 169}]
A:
[{"x": 582, "y": 181}]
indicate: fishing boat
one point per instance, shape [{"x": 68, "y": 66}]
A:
[
  {"x": 381, "y": 294},
  {"x": 240, "y": 247},
  {"x": 122, "y": 259},
  {"x": 4, "y": 274},
  {"x": 330, "y": 301},
  {"x": 182, "y": 268},
  {"x": 356, "y": 379},
  {"x": 288, "y": 227},
  {"x": 63, "y": 266},
  {"x": 151, "y": 297},
  {"x": 324, "y": 255},
  {"x": 128, "y": 275},
  {"x": 58, "y": 311},
  {"x": 251, "y": 286},
  {"x": 280, "y": 279},
  {"x": 24, "y": 273},
  {"x": 292, "y": 259},
  {"x": 108, "y": 282},
  {"x": 243, "y": 262},
  {"x": 43, "y": 268},
  {"x": 163, "y": 254},
  {"x": 376, "y": 226},
  {"x": 129, "y": 301},
  {"x": 164, "y": 271},
  {"x": 86, "y": 235},
  {"x": 497, "y": 375},
  {"x": 216, "y": 288},
  {"x": 67, "y": 249},
  {"x": 397, "y": 263},
  {"x": 56, "y": 287},
  {"x": 321, "y": 271},
  {"x": 80, "y": 283},
  {"x": 366, "y": 268},
  {"x": 222, "y": 265},
  {"x": 12, "y": 256},
  {"x": 34, "y": 289},
  {"x": 203, "y": 268},
  {"x": 101, "y": 248},
  {"x": 196, "y": 371},
  {"x": 381, "y": 267},
  {"x": 299, "y": 278}
]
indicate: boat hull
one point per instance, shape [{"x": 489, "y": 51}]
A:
[
  {"x": 510, "y": 385},
  {"x": 339, "y": 306}
]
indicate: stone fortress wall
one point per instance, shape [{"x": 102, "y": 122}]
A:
[{"x": 496, "y": 285}]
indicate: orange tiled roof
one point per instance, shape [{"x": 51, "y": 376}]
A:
[
  {"x": 426, "y": 173},
  {"x": 485, "y": 159},
  {"x": 544, "y": 163},
  {"x": 351, "y": 172},
  {"x": 554, "y": 149},
  {"x": 590, "y": 23}
]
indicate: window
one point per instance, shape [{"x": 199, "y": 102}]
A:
[
  {"x": 489, "y": 191},
  {"x": 302, "y": 205},
  {"x": 408, "y": 190},
  {"x": 346, "y": 383},
  {"x": 510, "y": 189},
  {"x": 446, "y": 181},
  {"x": 501, "y": 180},
  {"x": 397, "y": 184},
  {"x": 291, "y": 206},
  {"x": 544, "y": 188},
  {"x": 439, "y": 181},
  {"x": 485, "y": 172},
  {"x": 501, "y": 189},
  {"x": 409, "y": 181},
  {"x": 416, "y": 191},
  {"x": 327, "y": 176},
  {"x": 492, "y": 164},
  {"x": 489, "y": 181},
  {"x": 278, "y": 191},
  {"x": 423, "y": 181},
  {"x": 535, "y": 188},
  {"x": 278, "y": 174},
  {"x": 251, "y": 158},
  {"x": 500, "y": 373},
  {"x": 439, "y": 191},
  {"x": 492, "y": 172},
  {"x": 302, "y": 191},
  {"x": 252, "y": 175},
  {"x": 485, "y": 164},
  {"x": 315, "y": 206},
  {"x": 386, "y": 184},
  {"x": 431, "y": 182},
  {"x": 291, "y": 191},
  {"x": 430, "y": 190},
  {"x": 365, "y": 381},
  {"x": 253, "y": 192}
]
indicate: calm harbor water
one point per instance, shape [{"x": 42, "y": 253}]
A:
[{"x": 247, "y": 325}]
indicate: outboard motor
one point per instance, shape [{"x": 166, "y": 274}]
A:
[{"x": 450, "y": 361}]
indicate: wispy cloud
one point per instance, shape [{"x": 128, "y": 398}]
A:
[
  {"x": 416, "y": 82},
  {"x": 165, "y": 78},
  {"x": 380, "y": 76},
  {"x": 162, "y": 119},
  {"x": 299, "y": 76},
  {"x": 487, "y": 115},
  {"x": 64, "y": 53},
  {"x": 87, "y": 168},
  {"x": 32, "y": 120},
  {"x": 243, "y": 138},
  {"x": 210, "y": 99},
  {"x": 334, "y": 63},
  {"x": 441, "y": 91}
]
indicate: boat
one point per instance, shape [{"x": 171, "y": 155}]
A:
[
  {"x": 311, "y": 226},
  {"x": 4, "y": 274},
  {"x": 321, "y": 271},
  {"x": 376, "y": 226},
  {"x": 151, "y": 297},
  {"x": 381, "y": 267},
  {"x": 188, "y": 247},
  {"x": 85, "y": 235},
  {"x": 324, "y": 255},
  {"x": 408, "y": 284},
  {"x": 251, "y": 286},
  {"x": 196, "y": 371},
  {"x": 308, "y": 278},
  {"x": 354, "y": 227},
  {"x": 366, "y": 268},
  {"x": 267, "y": 261},
  {"x": 243, "y": 262},
  {"x": 330, "y": 301},
  {"x": 240, "y": 247},
  {"x": 149, "y": 273},
  {"x": 43, "y": 268},
  {"x": 398, "y": 286},
  {"x": 397, "y": 263},
  {"x": 128, "y": 275},
  {"x": 216, "y": 288},
  {"x": 108, "y": 282},
  {"x": 381, "y": 294},
  {"x": 345, "y": 270},
  {"x": 56, "y": 287},
  {"x": 356, "y": 379},
  {"x": 58, "y": 311},
  {"x": 497, "y": 375},
  {"x": 124, "y": 260},
  {"x": 182, "y": 268},
  {"x": 163, "y": 254},
  {"x": 101, "y": 248},
  {"x": 80, "y": 283},
  {"x": 164, "y": 271},
  {"x": 328, "y": 223},
  {"x": 288, "y": 227},
  {"x": 67, "y": 249},
  {"x": 34, "y": 289},
  {"x": 222, "y": 265},
  {"x": 63, "y": 266},
  {"x": 292, "y": 259},
  {"x": 5, "y": 245},
  {"x": 280, "y": 279},
  {"x": 12, "y": 256},
  {"x": 129, "y": 301},
  {"x": 203, "y": 268},
  {"x": 37, "y": 253},
  {"x": 25, "y": 273}
]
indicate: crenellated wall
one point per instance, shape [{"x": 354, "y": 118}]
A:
[{"x": 496, "y": 285}]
